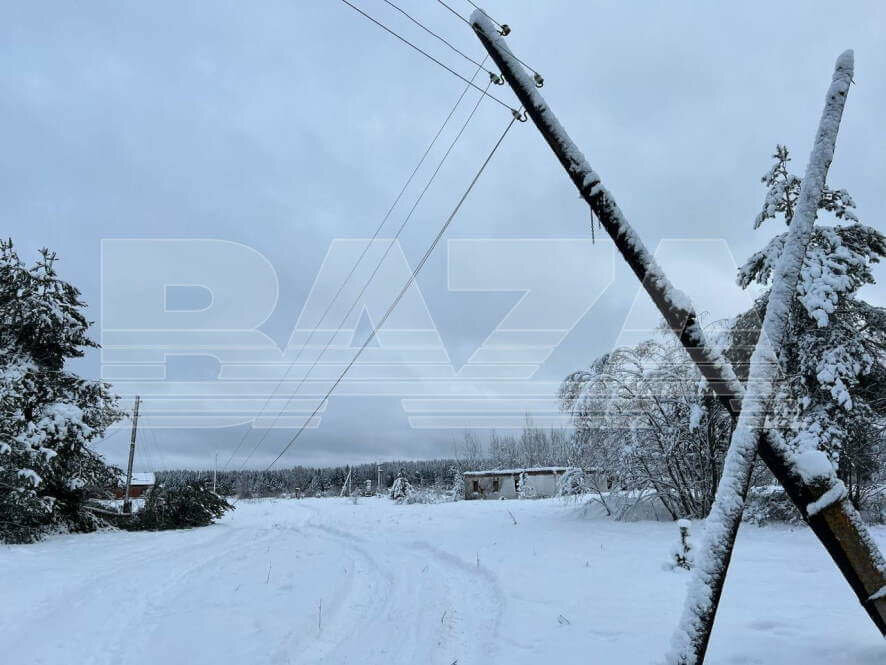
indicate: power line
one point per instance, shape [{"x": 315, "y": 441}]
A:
[
  {"x": 372, "y": 275},
  {"x": 429, "y": 56},
  {"x": 442, "y": 39},
  {"x": 400, "y": 295},
  {"x": 158, "y": 451},
  {"x": 146, "y": 451},
  {"x": 457, "y": 14},
  {"x": 355, "y": 266},
  {"x": 116, "y": 431}
]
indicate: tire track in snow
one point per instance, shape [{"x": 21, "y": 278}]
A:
[{"x": 438, "y": 609}]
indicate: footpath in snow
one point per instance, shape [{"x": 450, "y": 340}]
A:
[{"x": 327, "y": 581}]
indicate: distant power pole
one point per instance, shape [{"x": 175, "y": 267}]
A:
[
  {"x": 378, "y": 483},
  {"x": 215, "y": 473},
  {"x": 127, "y": 503}
]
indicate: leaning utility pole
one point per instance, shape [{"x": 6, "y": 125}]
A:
[
  {"x": 836, "y": 523},
  {"x": 127, "y": 504},
  {"x": 346, "y": 486},
  {"x": 721, "y": 526}
]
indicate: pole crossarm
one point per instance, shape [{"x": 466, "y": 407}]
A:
[{"x": 837, "y": 524}]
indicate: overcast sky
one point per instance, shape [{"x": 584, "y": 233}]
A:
[{"x": 284, "y": 126}]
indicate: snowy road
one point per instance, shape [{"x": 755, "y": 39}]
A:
[
  {"x": 272, "y": 585},
  {"x": 309, "y": 582}
]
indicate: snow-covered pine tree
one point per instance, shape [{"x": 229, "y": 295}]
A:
[
  {"x": 835, "y": 350},
  {"x": 48, "y": 415}
]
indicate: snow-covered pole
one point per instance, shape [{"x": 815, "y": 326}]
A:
[
  {"x": 692, "y": 635},
  {"x": 127, "y": 502},
  {"x": 671, "y": 302},
  {"x": 838, "y": 526}
]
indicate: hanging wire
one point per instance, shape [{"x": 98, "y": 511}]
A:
[
  {"x": 146, "y": 452},
  {"x": 158, "y": 451},
  {"x": 355, "y": 266},
  {"x": 496, "y": 78},
  {"x": 378, "y": 266},
  {"x": 110, "y": 436},
  {"x": 400, "y": 295},
  {"x": 427, "y": 55}
]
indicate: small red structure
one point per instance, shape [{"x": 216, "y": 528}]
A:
[{"x": 141, "y": 482}]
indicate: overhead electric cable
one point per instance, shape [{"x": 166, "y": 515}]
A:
[
  {"x": 354, "y": 268},
  {"x": 378, "y": 266},
  {"x": 402, "y": 292},
  {"x": 442, "y": 39},
  {"x": 429, "y": 56}
]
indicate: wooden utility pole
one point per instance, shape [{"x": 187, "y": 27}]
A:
[
  {"x": 838, "y": 525},
  {"x": 215, "y": 473},
  {"x": 127, "y": 503}
]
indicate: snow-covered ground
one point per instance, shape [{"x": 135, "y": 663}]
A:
[{"x": 327, "y": 581}]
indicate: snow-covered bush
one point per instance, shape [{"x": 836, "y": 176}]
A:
[
  {"x": 768, "y": 504},
  {"x": 571, "y": 483},
  {"x": 48, "y": 415},
  {"x": 682, "y": 553},
  {"x": 647, "y": 421},
  {"x": 427, "y": 495},
  {"x": 178, "y": 507}
]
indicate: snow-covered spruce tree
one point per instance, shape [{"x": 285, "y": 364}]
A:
[
  {"x": 179, "y": 506},
  {"x": 458, "y": 484},
  {"x": 401, "y": 489},
  {"x": 48, "y": 415},
  {"x": 834, "y": 355}
]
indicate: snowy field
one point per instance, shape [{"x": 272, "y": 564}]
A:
[{"x": 326, "y": 581}]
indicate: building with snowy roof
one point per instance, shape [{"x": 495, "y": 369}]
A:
[
  {"x": 536, "y": 482},
  {"x": 141, "y": 483}
]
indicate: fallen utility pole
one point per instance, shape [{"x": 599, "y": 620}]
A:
[
  {"x": 837, "y": 525},
  {"x": 127, "y": 503}
]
